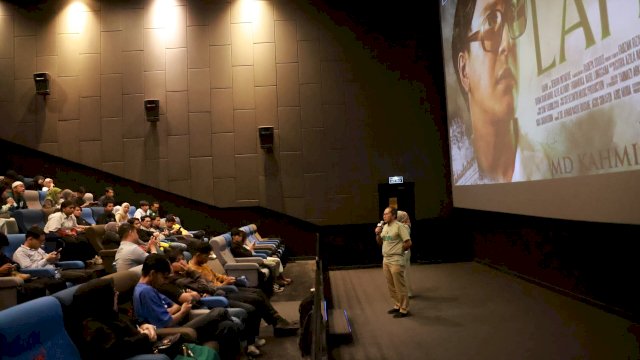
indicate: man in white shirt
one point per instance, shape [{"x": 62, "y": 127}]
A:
[
  {"x": 63, "y": 223},
  {"x": 130, "y": 253},
  {"x": 142, "y": 210},
  {"x": 30, "y": 255}
]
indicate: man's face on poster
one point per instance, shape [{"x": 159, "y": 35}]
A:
[{"x": 489, "y": 69}]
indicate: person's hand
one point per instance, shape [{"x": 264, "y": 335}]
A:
[
  {"x": 229, "y": 280},
  {"x": 194, "y": 296},
  {"x": 6, "y": 269},
  {"x": 186, "y": 307},
  {"x": 378, "y": 230},
  {"x": 150, "y": 330},
  {"x": 52, "y": 257},
  {"x": 153, "y": 245},
  {"x": 11, "y": 202}
]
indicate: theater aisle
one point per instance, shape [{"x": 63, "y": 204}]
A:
[
  {"x": 471, "y": 311},
  {"x": 302, "y": 272}
]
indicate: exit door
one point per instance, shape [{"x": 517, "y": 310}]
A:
[{"x": 399, "y": 196}]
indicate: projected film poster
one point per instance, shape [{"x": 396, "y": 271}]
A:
[{"x": 541, "y": 89}]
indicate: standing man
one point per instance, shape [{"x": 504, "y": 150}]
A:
[{"x": 395, "y": 240}]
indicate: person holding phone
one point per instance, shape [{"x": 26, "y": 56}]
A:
[
  {"x": 32, "y": 287},
  {"x": 100, "y": 331},
  {"x": 30, "y": 255}
]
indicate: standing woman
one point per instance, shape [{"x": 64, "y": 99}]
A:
[
  {"x": 403, "y": 218},
  {"x": 123, "y": 214}
]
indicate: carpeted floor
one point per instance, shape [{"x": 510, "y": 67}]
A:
[
  {"x": 302, "y": 273},
  {"x": 470, "y": 311}
]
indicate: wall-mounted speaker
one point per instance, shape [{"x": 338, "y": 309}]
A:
[
  {"x": 42, "y": 83},
  {"x": 152, "y": 109},
  {"x": 265, "y": 134}
]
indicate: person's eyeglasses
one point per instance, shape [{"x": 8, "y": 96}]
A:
[{"x": 492, "y": 26}]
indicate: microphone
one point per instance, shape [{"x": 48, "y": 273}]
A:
[{"x": 381, "y": 223}]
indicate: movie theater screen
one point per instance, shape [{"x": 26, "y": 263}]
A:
[{"x": 543, "y": 104}]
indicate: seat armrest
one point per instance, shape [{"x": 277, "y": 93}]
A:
[
  {"x": 215, "y": 301},
  {"x": 43, "y": 273},
  {"x": 249, "y": 260},
  {"x": 262, "y": 253},
  {"x": 71, "y": 264},
  {"x": 10, "y": 282},
  {"x": 188, "y": 334},
  {"x": 243, "y": 266}
]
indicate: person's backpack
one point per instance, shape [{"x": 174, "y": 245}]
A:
[{"x": 306, "y": 314}]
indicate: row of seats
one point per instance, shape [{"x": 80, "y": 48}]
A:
[
  {"x": 36, "y": 329},
  {"x": 26, "y": 218},
  {"x": 35, "y": 198},
  {"x": 225, "y": 262},
  {"x": 10, "y": 285}
]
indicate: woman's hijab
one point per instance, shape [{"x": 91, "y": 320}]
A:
[{"x": 403, "y": 217}]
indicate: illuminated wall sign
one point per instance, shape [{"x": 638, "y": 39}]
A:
[{"x": 396, "y": 179}]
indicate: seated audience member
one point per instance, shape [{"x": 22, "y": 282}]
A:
[
  {"x": 154, "y": 209},
  {"x": 201, "y": 252},
  {"x": 79, "y": 197},
  {"x": 77, "y": 213},
  {"x": 156, "y": 224},
  {"x": 32, "y": 287},
  {"x": 9, "y": 267},
  {"x": 176, "y": 290},
  {"x": 47, "y": 184},
  {"x": 150, "y": 306},
  {"x": 142, "y": 209},
  {"x": 130, "y": 253},
  {"x": 206, "y": 281},
  {"x": 109, "y": 195},
  {"x": 111, "y": 239},
  {"x": 52, "y": 199},
  {"x": 67, "y": 194},
  {"x": 38, "y": 183},
  {"x": 240, "y": 248},
  {"x": 123, "y": 213},
  {"x": 145, "y": 234},
  {"x": 173, "y": 226},
  {"x": 31, "y": 256},
  {"x": 107, "y": 216},
  {"x": 17, "y": 195},
  {"x": 63, "y": 224},
  {"x": 99, "y": 331},
  {"x": 7, "y": 207}
]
